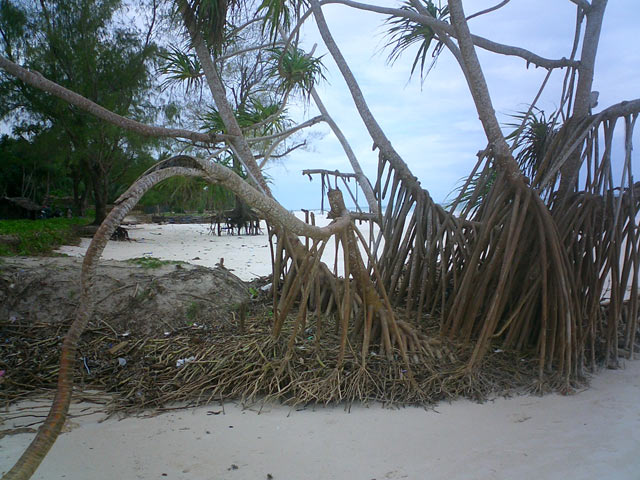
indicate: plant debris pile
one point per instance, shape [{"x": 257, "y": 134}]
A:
[{"x": 166, "y": 346}]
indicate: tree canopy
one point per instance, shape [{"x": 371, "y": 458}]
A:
[{"x": 81, "y": 45}]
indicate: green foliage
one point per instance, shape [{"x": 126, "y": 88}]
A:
[
  {"x": 39, "y": 237},
  {"x": 189, "y": 194},
  {"x": 532, "y": 137},
  {"x": 151, "y": 262},
  {"x": 276, "y": 15},
  {"x": 209, "y": 17},
  {"x": 83, "y": 46},
  {"x": 181, "y": 68},
  {"x": 13, "y": 21},
  {"x": 25, "y": 174},
  {"x": 254, "y": 117},
  {"x": 192, "y": 310},
  {"x": 296, "y": 70},
  {"x": 404, "y": 33},
  {"x": 476, "y": 191},
  {"x": 211, "y": 121}
]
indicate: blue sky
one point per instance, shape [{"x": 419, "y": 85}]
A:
[{"x": 434, "y": 125}]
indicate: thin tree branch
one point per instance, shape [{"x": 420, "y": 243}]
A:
[
  {"x": 322, "y": 171},
  {"x": 481, "y": 42},
  {"x": 35, "y": 79},
  {"x": 153, "y": 21},
  {"x": 294, "y": 31},
  {"x": 242, "y": 26},
  {"x": 531, "y": 107},
  {"x": 272, "y": 148},
  {"x": 374, "y": 129},
  {"x": 227, "y": 56},
  {"x": 488, "y": 10},
  {"x": 270, "y": 154},
  {"x": 308, "y": 123}
]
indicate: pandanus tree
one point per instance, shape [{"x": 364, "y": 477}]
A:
[{"x": 538, "y": 253}]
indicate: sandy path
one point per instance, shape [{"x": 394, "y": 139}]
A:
[{"x": 594, "y": 434}]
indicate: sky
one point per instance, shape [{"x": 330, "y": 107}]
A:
[{"x": 434, "y": 125}]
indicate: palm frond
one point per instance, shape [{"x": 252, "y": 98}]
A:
[
  {"x": 180, "y": 68},
  {"x": 211, "y": 121},
  {"x": 471, "y": 192},
  {"x": 532, "y": 136},
  {"x": 263, "y": 117},
  {"x": 209, "y": 17},
  {"x": 278, "y": 14},
  {"x": 296, "y": 70},
  {"x": 404, "y": 33}
]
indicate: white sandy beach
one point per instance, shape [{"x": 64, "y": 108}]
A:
[
  {"x": 593, "y": 434},
  {"x": 247, "y": 256}
]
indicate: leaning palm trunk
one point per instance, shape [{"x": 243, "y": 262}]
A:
[
  {"x": 52, "y": 426},
  {"x": 179, "y": 165}
]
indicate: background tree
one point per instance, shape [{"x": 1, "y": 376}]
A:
[{"x": 84, "y": 46}]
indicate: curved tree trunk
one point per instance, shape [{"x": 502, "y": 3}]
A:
[{"x": 180, "y": 165}]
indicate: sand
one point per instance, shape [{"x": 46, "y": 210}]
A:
[
  {"x": 593, "y": 434},
  {"x": 247, "y": 256}
]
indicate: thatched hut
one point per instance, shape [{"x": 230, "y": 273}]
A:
[{"x": 15, "y": 208}]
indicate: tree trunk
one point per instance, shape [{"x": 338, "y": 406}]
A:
[
  {"x": 100, "y": 195},
  {"x": 582, "y": 103},
  {"x": 79, "y": 197}
]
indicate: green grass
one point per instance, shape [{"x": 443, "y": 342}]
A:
[
  {"x": 192, "y": 311},
  {"x": 39, "y": 237},
  {"x": 151, "y": 262}
]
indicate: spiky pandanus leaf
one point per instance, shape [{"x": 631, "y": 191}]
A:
[
  {"x": 296, "y": 70},
  {"x": 472, "y": 191},
  {"x": 532, "y": 137},
  {"x": 210, "y": 17},
  {"x": 404, "y": 33},
  {"x": 212, "y": 121},
  {"x": 180, "y": 68},
  {"x": 278, "y": 14},
  {"x": 265, "y": 117}
]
